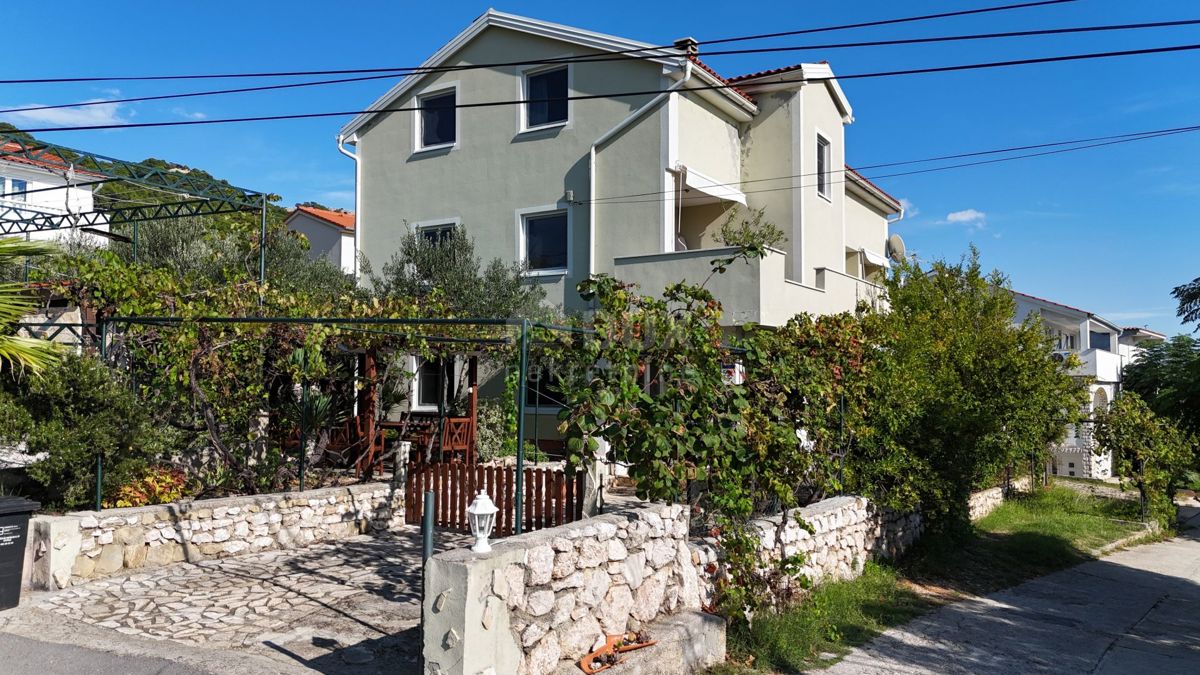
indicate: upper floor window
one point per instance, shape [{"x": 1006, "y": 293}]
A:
[
  {"x": 438, "y": 119},
  {"x": 544, "y": 242},
  {"x": 546, "y": 97},
  {"x": 823, "y": 166}
]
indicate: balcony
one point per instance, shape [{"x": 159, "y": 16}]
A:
[
  {"x": 1099, "y": 364},
  {"x": 754, "y": 291}
]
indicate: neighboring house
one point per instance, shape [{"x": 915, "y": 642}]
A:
[
  {"x": 46, "y": 186},
  {"x": 636, "y": 186},
  {"x": 1103, "y": 349},
  {"x": 330, "y": 234}
]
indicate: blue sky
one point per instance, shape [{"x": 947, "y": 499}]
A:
[{"x": 1111, "y": 229}]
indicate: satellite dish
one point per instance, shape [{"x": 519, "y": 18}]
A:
[{"x": 895, "y": 248}]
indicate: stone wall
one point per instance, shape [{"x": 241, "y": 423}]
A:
[
  {"x": 984, "y": 502},
  {"x": 84, "y": 545},
  {"x": 550, "y": 596}
]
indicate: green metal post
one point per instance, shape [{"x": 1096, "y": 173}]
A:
[
  {"x": 304, "y": 413},
  {"x": 27, "y": 261},
  {"x": 262, "y": 243},
  {"x": 99, "y": 455},
  {"x": 134, "y": 243},
  {"x": 522, "y": 380}
]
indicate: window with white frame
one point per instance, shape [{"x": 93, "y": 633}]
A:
[
  {"x": 544, "y": 241},
  {"x": 427, "y": 383},
  {"x": 438, "y": 123},
  {"x": 545, "y": 93},
  {"x": 823, "y": 166}
]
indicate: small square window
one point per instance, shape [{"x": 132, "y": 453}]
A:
[
  {"x": 438, "y": 125},
  {"x": 823, "y": 168},
  {"x": 546, "y": 241},
  {"x": 1070, "y": 465},
  {"x": 16, "y": 191},
  {"x": 429, "y": 376},
  {"x": 546, "y": 93}
]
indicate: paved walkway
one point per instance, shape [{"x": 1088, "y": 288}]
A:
[
  {"x": 351, "y": 606},
  {"x": 1136, "y": 611}
]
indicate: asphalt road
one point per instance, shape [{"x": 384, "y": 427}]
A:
[
  {"x": 1136, "y": 611},
  {"x": 20, "y": 655}
]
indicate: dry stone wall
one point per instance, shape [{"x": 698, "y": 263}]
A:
[
  {"x": 87, "y": 544},
  {"x": 984, "y": 502}
]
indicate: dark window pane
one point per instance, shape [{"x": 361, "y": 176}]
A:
[
  {"x": 17, "y": 193},
  {"x": 437, "y": 119},
  {"x": 548, "y": 98},
  {"x": 822, "y": 166},
  {"x": 542, "y": 391},
  {"x": 428, "y": 376},
  {"x": 439, "y": 234},
  {"x": 546, "y": 241}
]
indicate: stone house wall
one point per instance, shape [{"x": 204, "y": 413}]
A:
[{"x": 84, "y": 545}]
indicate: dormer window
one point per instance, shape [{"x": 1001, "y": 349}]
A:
[
  {"x": 437, "y": 120},
  {"x": 545, "y": 93}
]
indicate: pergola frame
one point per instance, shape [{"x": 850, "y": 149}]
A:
[{"x": 198, "y": 196}]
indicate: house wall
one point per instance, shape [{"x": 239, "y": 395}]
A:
[
  {"x": 823, "y": 219},
  {"x": 65, "y": 200},
  {"x": 325, "y": 241},
  {"x": 493, "y": 170},
  {"x": 768, "y": 155},
  {"x": 708, "y": 142},
  {"x": 866, "y": 227}
]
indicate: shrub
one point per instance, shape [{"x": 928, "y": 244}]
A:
[
  {"x": 76, "y": 410},
  {"x": 155, "y": 485}
]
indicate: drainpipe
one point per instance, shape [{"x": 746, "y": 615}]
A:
[
  {"x": 358, "y": 213},
  {"x": 687, "y": 75}
]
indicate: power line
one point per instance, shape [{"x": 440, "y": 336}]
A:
[
  {"x": 348, "y": 71},
  {"x": 1135, "y": 135},
  {"x": 948, "y": 167},
  {"x": 58, "y": 187},
  {"x": 593, "y": 58},
  {"x": 626, "y": 94}
]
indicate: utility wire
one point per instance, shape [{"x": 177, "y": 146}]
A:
[
  {"x": 939, "y": 168},
  {"x": 648, "y": 48},
  {"x": 576, "y": 59},
  {"x": 626, "y": 94},
  {"x": 60, "y": 187},
  {"x": 1136, "y": 135}
]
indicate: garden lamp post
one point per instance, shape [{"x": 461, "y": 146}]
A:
[{"x": 481, "y": 515}]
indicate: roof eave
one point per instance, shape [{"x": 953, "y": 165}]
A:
[{"x": 803, "y": 74}]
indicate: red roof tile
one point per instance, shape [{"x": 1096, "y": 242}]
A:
[
  {"x": 342, "y": 219},
  {"x": 764, "y": 73},
  {"x": 708, "y": 69},
  {"x": 47, "y": 162},
  {"x": 894, "y": 202}
]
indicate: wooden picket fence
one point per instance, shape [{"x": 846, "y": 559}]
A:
[{"x": 551, "y": 497}]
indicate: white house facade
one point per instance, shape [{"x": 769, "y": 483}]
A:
[
  {"x": 330, "y": 234},
  {"x": 48, "y": 187},
  {"x": 622, "y": 166},
  {"x": 1103, "y": 350}
]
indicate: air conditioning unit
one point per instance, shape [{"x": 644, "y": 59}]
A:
[{"x": 1059, "y": 356}]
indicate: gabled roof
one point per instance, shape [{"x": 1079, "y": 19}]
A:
[
  {"x": 798, "y": 74},
  {"x": 669, "y": 56},
  {"x": 343, "y": 220}
]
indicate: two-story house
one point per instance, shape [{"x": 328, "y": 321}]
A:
[
  {"x": 578, "y": 153},
  {"x": 1103, "y": 350}
]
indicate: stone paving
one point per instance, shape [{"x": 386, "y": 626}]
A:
[{"x": 356, "y": 597}]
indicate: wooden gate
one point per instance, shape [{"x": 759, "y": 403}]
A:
[{"x": 551, "y": 497}]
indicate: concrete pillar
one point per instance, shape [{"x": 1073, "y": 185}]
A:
[
  {"x": 50, "y": 552},
  {"x": 1085, "y": 339},
  {"x": 467, "y": 624}
]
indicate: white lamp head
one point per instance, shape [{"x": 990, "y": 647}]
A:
[{"x": 481, "y": 515}]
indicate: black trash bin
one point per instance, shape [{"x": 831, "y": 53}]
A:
[{"x": 14, "y": 524}]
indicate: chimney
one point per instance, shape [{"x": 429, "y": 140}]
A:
[{"x": 688, "y": 45}]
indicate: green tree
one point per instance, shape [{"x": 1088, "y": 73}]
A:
[
  {"x": 1148, "y": 451},
  {"x": 964, "y": 393},
  {"x": 449, "y": 265},
  {"x": 1167, "y": 378},
  {"x": 76, "y": 410},
  {"x": 20, "y": 353},
  {"x": 1188, "y": 297}
]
